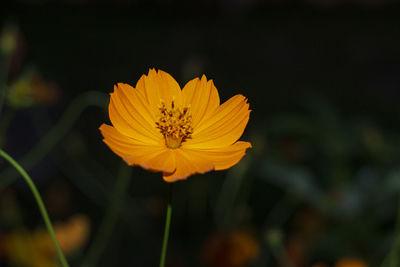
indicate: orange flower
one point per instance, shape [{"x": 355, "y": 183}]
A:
[{"x": 160, "y": 127}]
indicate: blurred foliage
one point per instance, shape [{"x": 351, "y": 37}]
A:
[{"x": 341, "y": 173}]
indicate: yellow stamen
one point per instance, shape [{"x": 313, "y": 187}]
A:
[{"x": 175, "y": 123}]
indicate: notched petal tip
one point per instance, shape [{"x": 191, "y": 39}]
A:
[
  {"x": 159, "y": 71},
  {"x": 178, "y": 175},
  {"x": 170, "y": 178},
  {"x": 122, "y": 86},
  {"x": 152, "y": 71},
  {"x": 131, "y": 162},
  {"x": 159, "y": 169},
  {"x": 244, "y": 99},
  {"x": 101, "y": 127},
  {"x": 128, "y": 160}
]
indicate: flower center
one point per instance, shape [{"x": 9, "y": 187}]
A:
[{"x": 175, "y": 123}]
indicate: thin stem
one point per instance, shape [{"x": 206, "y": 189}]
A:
[
  {"x": 281, "y": 211},
  {"x": 229, "y": 193},
  {"x": 167, "y": 225},
  {"x": 392, "y": 258},
  {"x": 110, "y": 217},
  {"x": 275, "y": 243},
  {"x": 41, "y": 206},
  {"x": 3, "y": 80},
  {"x": 4, "y": 124}
]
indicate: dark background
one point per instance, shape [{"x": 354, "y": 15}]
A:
[{"x": 322, "y": 79}]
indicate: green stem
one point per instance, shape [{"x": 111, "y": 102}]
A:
[
  {"x": 167, "y": 226},
  {"x": 391, "y": 258},
  {"x": 110, "y": 217},
  {"x": 4, "y": 123},
  {"x": 277, "y": 248},
  {"x": 41, "y": 206},
  {"x": 4, "y": 70},
  {"x": 229, "y": 193}
]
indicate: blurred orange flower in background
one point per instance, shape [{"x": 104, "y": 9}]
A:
[
  {"x": 73, "y": 234},
  {"x": 31, "y": 89},
  {"x": 233, "y": 249},
  {"x": 344, "y": 262},
  {"x": 160, "y": 127},
  {"x": 347, "y": 262},
  {"x": 24, "y": 248}
]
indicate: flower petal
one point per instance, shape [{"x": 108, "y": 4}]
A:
[
  {"x": 136, "y": 105},
  {"x": 223, "y": 128},
  {"x": 203, "y": 97},
  {"x": 187, "y": 163},
  {"x": 226, "y": 157},
  {"x": 137, "y": 101},
  {"x": 127, "y": 120},
  {"x": 159, "y": 85},
  {"x": 151, "y": 157}
]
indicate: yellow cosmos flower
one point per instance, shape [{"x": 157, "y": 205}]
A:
[{"x": 180, "y": 132}]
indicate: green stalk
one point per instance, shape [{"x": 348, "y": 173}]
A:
[
  {"x": 110, "y": 218},
  {"x": 167, "y": 226},
  {"x": 229, "y": 193},
  {"x": 391, "y": 258},
  {"x": 41, "y": 206},
  {"x": 4, "y": 123}
]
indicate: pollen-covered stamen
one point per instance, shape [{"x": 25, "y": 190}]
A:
[{"x": 175, "y": 123}]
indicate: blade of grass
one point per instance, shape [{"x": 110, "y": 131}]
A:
[
  {"x": 110, "y": 218},
  {"x": 40, "y": 204}
]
